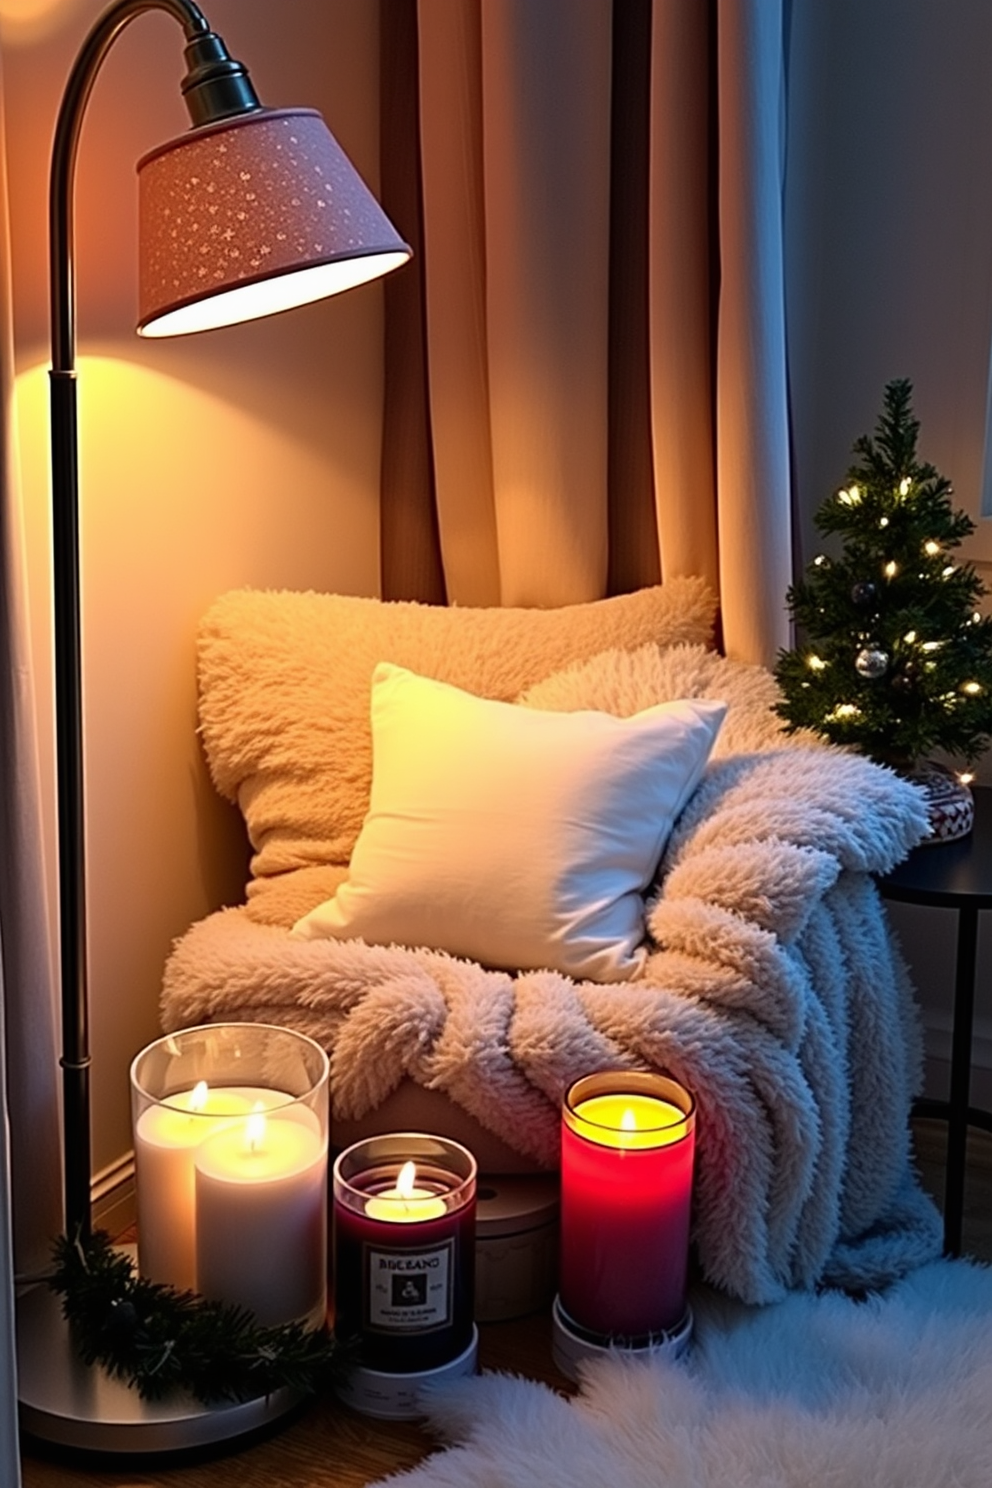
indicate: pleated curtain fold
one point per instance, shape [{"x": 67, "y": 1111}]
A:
[{"x": 589, "y": 392}]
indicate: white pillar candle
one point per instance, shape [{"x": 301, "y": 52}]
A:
[
  {"x": 165, "y": 1138},
  {"x": 261, "y": 1217}
]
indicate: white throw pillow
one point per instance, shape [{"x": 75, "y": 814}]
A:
[{"x": 511, "y": 836}]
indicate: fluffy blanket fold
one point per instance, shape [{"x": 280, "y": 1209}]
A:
[{"x": 774, "y": 991}]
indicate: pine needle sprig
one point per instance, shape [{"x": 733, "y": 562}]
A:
[{"x": 160, "y": 1340}]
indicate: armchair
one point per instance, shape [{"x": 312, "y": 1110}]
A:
[{"x": 770, "y": 986}]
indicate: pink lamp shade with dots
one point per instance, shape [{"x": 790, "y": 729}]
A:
[{"x": 253, "y": 215}]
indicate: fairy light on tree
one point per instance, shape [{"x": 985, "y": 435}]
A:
[{"x": 897, "y": 656}]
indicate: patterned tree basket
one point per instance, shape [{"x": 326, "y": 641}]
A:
[{"x": 950, "y": 803}]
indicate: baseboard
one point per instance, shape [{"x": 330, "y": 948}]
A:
[{"x": 112, "y": 1194}]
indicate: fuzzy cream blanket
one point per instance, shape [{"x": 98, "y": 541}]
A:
[{"x": 774, "y": 991}]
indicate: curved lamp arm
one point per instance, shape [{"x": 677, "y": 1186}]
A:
[{"x": 215, "y": 87}]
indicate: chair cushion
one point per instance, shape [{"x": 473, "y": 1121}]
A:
[
  {"x": 511, "y": 836},
  {"x": 285, "y": 682}
]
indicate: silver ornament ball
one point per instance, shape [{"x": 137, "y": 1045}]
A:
[{"x": 871, "y": 663}]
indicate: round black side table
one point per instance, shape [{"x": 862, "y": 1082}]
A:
[{"x": 954, "y": 875}]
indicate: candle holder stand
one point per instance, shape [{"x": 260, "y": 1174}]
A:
[
  {"x": 404, "y": 1269},
  {"x": 572, "y": 1345},
  {"x": 388, "y": 1396}
]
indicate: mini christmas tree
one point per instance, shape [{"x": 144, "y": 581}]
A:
[{"x": 897, "y": 659}]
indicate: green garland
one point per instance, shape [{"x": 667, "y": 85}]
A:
[{"x": 161, "y": 1340}]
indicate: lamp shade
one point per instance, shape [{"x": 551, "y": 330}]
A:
[{"x": 253, "y": 215}]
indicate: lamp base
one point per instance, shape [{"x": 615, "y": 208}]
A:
[
  {"x": 572, "y": 1345},
  {"x": 396, "y": 1397},
  {"x": 72, "y": 1404}
]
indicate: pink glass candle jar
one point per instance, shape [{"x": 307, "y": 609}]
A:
[
  {"x": 231, "y": 1145},
  {"x": 626, "y": 1193},
  {"x": 404, "y": 1251}
]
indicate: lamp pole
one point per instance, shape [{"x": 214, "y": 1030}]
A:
[
  {"x": 216, "y": 87},
  {"x": 331, "y": 234}
]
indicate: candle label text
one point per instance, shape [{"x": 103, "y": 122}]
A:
[{"x": 409, "y": 1290}]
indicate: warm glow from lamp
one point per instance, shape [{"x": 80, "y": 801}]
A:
[
  {"x": 25, "y": 21},
  {"x": 271, "y": 296}
]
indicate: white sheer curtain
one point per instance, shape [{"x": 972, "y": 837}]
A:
[
  {"x": 526, "y": 157},
  {"x": 30, "y": 1171}
]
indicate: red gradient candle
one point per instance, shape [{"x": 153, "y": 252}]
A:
[
  {"x": 626, "y": 1192},
  {"x": 404, "y": 1251}
]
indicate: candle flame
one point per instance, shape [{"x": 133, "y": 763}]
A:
[
  {"x": 198, "y": 1096},
  {"x": 406, "y": 1180},
  {"x": 255, "y": 1129},
  {"x": 628, "y": 1121}
]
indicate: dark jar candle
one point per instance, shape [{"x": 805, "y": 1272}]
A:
[{"x": 404, "y": 1251}]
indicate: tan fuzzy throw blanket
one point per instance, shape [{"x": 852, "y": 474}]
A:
[{"x": 774, "y": 992}]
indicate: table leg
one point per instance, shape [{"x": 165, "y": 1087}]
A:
[{"x": 957, "y": 1124}]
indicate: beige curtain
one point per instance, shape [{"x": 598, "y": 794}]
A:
[
  {"x": 596, "y": 345},
  {"x": 30, "y": 1145}
]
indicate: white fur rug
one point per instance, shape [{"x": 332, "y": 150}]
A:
[{"x": 812, "y": 1392}]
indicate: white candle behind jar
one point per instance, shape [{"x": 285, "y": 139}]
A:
[
  {"x": 166, "y": 1137},
  {"x": 261, "y": 1217}
]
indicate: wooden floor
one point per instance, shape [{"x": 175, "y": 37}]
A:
[{"x": 331, "y": 1447}]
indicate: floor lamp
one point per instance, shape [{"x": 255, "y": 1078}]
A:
[{"x": 252, "y": 211}]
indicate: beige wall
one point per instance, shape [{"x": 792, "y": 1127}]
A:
[{"x": 248, "y": 456}]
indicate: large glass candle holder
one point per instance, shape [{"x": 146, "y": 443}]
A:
[
  {"x": 626, "y": 1194},
  {"x": 230, "y": 1140},
  {"x": 404, "y": 1252}
]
